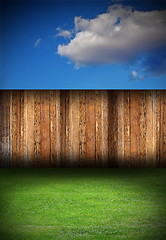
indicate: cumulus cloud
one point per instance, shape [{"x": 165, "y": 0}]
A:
[
  {"x": 37, "y": 42},
  {"x": 120, "y": 35},
  {"x": 63, "y": 33}
]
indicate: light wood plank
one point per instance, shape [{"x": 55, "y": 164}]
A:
[
  {"x": 90, "y": 128},
  {"x": 82, "y": 128},
  {"x": 30, "y": 129}
]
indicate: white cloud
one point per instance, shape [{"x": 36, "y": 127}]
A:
[
  {"x": 136, "y": 75},
  {"x": 37, "y": 42},
  {"x": 118, "y": 36},
  {"x": 63, "y": 33}
]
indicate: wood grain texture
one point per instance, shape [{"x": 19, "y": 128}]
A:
[
  {"x": 113, "y": 128},
  {"x": 127, "y": 129},
  {"x": 45, "y": 129},
  {"x": 90, "y": 129},
  {"x": 135, "y": 128},
  {"x": 104, "y": 128},
  {"x": 82, "y": 128},
  {"x": 5, "y": 128},
  {"x": 98, "y": 128},
  {"x": 143, "y": 128},
  {"x": 30, "y": 129},
  {"x": 149, "y": 128},
  {"x": 37, "y": 128},
  {"x": 120, "y": 142}
]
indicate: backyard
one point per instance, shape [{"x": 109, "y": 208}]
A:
[{"x": 83, "y": 204}]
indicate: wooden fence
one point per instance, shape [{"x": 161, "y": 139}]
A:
[{"x": 82, "y": 128}]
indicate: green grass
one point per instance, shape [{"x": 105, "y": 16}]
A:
[{"x": 83, "y": 204}]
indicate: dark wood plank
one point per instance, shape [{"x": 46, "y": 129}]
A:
[
  {"x": 113, "y": 128},
  {"x": 127, "y": 129},
  {"x": 120, "y": 140},
  {"x": 5, "y": 128}
]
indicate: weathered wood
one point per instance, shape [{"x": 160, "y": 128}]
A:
[
  {"x": 104, "y": 128},
  {"x": 15, "y": 128},
  {"x": 25, "y": 128},
  {"x": 10, "y": 126},
  {"x": 120, "y": 142},
  {"x": 143, "y": 129},
  {"x": 135, "y": 128},
  {"x": 45, "y": 129},
  {"x": 90, "y": 128},
  {"x": 74, "y": 128},
  {"x": 98, "y": 122},
  {"x": 22, "y": 128},
  {"x": 30, "y": 129},
  {"x": 5, "y": 128},
  {"x": 113, "y": 128},
  {"x": 127, "y": 129},
  {"x": 163, "y": 130},
  {"x": 158, "y": 119},
  {"x": 149, "y": 132},
  {"x": 63, "y": 127},
  {"x": 53, "y": 139},
  {"x": 37, "y": 129},
  {"x": 58, "y": 127},
  {"x": 83, "y": 128}
]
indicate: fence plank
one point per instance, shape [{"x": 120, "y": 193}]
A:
[
  {"x": 163, "y": 130},
  {"x": 149, "y": 127},
  {"x": 5, "y": 128},
  {"x": 82, "y": 128},
  {"x": 90, "y": 128},
  {"x": 143, "y": 128},
  {"x": 63, "y": 126},
  {"x": 135, "y": 128},
  {"x": 15, "y": 128},
  {"x": 53, "y": 119},
  {"x": 113, "y": 128},
  {"x": 37, "y": 129},
  {"x": 22, "y": 128},
  {"x": 104, "y": 128},
  {"x": 30, "y": 129},
  {"x": 98, "y": 122},
  {"x": 74, "y": 128},
  {"x": 120, "y": 142},
  {"x": 58, "y": 127},
  {"x": 127, "y": 129},
  {"x": 45, "y": 129},
  {"x": 10, "y": 125}
]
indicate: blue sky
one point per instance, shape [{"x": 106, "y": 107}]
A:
[{"x": 74, "y": 44}]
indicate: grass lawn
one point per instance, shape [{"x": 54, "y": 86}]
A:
[{"x": 82, "y": 204}]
